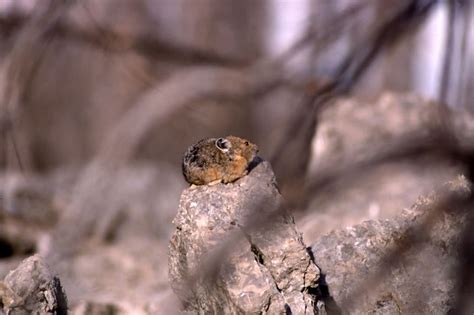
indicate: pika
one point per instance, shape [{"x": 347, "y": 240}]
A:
[{"x": 215, "y": 160}]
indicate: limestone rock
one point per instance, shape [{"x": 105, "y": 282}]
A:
[
  {"x": 365, "y": 275},
  {"x": 235, "y": 251},
  {"x": 32, "y": 289}
]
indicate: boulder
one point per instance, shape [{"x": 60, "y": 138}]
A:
[
  {"x": 237, "y": 250},
  {"x": 32, "y": 289},
  {"x": 403, "y": 265}
]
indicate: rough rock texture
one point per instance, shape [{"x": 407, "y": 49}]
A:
[
  {"x": 125, "y": 277},
  {"x": 363, "y": 279},
  {"x": 32, "y": 289},
  {"x": 351, "y": 130},
  {"x": 233, "y": 252}
]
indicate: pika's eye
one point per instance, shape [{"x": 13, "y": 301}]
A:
[
  {"x": 246, "y": 143},
  {"x": 223, "y": 145}
]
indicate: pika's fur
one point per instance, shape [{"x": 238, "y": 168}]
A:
[{"x": 218, "y": 159}]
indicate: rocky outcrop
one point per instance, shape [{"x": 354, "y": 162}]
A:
[
  {"x": 401, "y": 266},
  {"x": 235, "y": 250},
  {"x": 351, "y": 130},
  {"x": 32, "y": 289}
]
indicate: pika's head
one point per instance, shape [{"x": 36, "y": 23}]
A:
[{"x": 241, "y": 147}]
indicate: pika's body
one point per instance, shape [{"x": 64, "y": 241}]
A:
[{"x": 218, "y": 160}]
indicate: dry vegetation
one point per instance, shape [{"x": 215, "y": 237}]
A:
[{"x": 99, "y": 99}]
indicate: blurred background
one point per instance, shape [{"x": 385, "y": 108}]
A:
[{"x": 99, "y": 100}]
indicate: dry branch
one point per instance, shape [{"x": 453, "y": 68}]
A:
[
  {"x": 114, "y": 41},
  {"x": 183, "y": 88},
  {"x": 169, "y": 96}
]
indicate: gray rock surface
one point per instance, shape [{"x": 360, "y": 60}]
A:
[
  {"x": 369, "y": 269},
  {"x": 352, "y": 130},
  {"x": 234, "y": 251},
  {"x": 32, "y": 289}
]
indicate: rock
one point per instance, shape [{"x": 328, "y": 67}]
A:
[
  {"x": 369, "y": 269},
  {"x": 351, "y": 130},
  {"x": 234, "y": 251},
  {"x": 32, "y": 289},
  {"x": 128, "y": 275}
]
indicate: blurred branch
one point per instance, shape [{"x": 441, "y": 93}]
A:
[
  {"x": 10, "y": 24},
  {"x": 25, "y": 57},
  {"x": 113, "y": 41},
  {"x": 167, "y": 97},
  {"x": 448, "y": 133},
  {"x": 301, "y": 131},
  {"x": 465, "y": 269},
  {"x": 446, "y": 75},
  {"x": 151, "y": 46},
  {"x": 174, "y": 94},
  {"x": 457, "y": 54},
  {"x": 224, "y": 80}
]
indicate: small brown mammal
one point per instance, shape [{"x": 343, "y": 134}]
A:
[{"x": 218, "y": 159}]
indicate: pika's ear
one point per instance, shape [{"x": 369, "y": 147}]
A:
[{"x": 223, "y": 144}]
